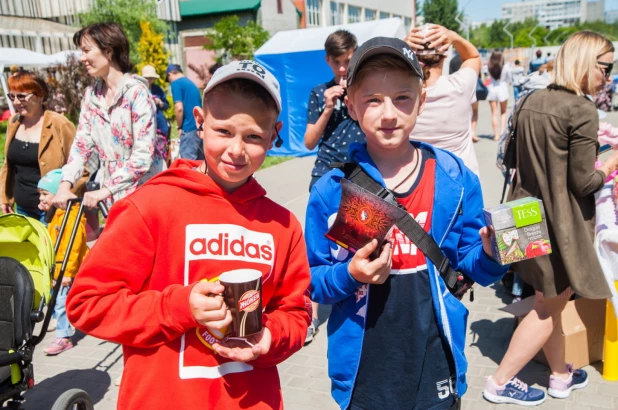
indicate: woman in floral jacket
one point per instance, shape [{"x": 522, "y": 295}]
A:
[{"x": 117, "y": 122}]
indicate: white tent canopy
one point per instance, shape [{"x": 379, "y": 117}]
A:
[
  {"x": 294, "y": 41},
  {"x": 23, "y": 57},
  {"x": 63, "y": 56},
  {"x": 296, "y": 59}
]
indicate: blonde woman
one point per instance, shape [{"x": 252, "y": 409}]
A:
[{"x": 556, "y": 149}]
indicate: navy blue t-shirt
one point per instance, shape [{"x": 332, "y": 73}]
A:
[
  {"x": 184, "y": 91},
  {"x": 405, "y": 364},
  {"x": 340, "y": 131}
]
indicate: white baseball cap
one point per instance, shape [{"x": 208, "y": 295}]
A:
[
  {"x": 249, "y": 70},
  {"x": 149, "y": 71}
]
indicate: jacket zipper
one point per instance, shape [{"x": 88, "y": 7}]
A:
[{"x": 441, "y": 296}]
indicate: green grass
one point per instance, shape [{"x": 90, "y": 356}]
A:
[{"x": 270, "y": 161}]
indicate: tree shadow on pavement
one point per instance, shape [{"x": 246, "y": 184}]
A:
[{"x": 44, "y": 394}]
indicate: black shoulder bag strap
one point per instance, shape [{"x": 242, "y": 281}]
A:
[
  {"x": 455, "y": 282},
  {"x": 510, "y": 151}
]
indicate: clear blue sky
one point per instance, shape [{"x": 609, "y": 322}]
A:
[{"x": 490, "y": 9}]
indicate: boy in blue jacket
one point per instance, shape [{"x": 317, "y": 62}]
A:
[{"x": 396, "y": 335}]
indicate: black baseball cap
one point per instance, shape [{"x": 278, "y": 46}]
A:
[{"x": 383, "y": 45}]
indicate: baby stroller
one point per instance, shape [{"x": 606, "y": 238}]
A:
[{"x": 27, "y": 264}]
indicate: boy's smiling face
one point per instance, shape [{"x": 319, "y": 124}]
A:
[
  {"x": 238, "y": 132},
  {"x": 386, "y": 105}
]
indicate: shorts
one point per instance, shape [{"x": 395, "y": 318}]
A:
[{"x": 498, "y": 91}]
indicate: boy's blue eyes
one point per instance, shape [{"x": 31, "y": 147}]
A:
[
  {"x": 227, "y": 133},
  {"x": 399, "y": 98}
]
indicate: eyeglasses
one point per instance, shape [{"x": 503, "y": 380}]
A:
[
  {"x": 20, "y": 97},
  {"x": 606, "y": 68}
]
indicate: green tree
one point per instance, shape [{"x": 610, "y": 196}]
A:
[
  {"x": 152, "y": 51},
  {"x": 129, "y": 14},
  {"x": 233, "y": 41},
  {"x": 493, "y": 36},
  {"x": 442, "y": 12}
]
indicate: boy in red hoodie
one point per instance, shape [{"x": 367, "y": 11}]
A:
[{"x": 150, "y": 281}]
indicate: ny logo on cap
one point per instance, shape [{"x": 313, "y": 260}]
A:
[
  {"x": 253, "y": 67},
  {"x": 408, "y": 53}
]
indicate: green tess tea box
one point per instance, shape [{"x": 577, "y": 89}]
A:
[{"x": 520, "y": 230}]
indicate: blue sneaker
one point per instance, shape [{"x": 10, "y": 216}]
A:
[
  {"x": 561, "y": 389},
  {"x": 514, "y": 391}
]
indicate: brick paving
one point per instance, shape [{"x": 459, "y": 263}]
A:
[{"x": 94, "y": 364}]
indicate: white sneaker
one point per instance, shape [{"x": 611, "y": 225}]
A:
[{"x": 312, "y": 331}]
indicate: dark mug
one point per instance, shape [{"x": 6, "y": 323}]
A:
[{"x": 243, "y": 296}]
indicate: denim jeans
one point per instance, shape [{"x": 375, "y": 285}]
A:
[
  {"x": 190, "y": 145},
  {"x": 518, "y": 285},
  {"x": 516, "y": 92},
  {"x": 63, "y": 328},
  {"x": 32, "y": 213}
]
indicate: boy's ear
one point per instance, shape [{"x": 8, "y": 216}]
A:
[
  {"x": 198, "y": 114},
  {"x": 351, "y": 108},
  {"x": 273, "y": 138}
]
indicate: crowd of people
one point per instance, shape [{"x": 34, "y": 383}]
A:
[{"x": 151, "y": 282}]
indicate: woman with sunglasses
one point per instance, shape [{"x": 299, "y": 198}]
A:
[
  {"x": 556, "y": 148},
  {"x": 37, "y": 141},
  {"x": 117, "y": 120}
]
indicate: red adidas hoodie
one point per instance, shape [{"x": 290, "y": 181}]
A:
[{"x": 133, "y": 289}]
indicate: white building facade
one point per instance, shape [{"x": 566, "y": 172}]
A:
[
  {"x": 320, "y": 13},
  {"x": 554, "y": 13},
  {"x": 611, "y": 16},
  {"x": 47, "y": 26}
]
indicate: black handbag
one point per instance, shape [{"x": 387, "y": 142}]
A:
[{"x": 481, "y": 90}]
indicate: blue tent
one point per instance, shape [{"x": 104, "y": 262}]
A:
[{"x": 297, "y": 59}]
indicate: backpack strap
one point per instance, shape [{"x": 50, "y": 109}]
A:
[
  {"x": 407, "y": 224},
  {"x": 510, "y": 150}
]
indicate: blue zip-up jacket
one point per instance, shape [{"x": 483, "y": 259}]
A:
[{"x": 456, "y": 219}]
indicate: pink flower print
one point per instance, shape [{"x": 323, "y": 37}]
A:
[{"x": 125, "y": 103}]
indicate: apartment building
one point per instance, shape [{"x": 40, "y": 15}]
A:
[
  {"x": 320, "y": 13},
  {"x": 47, "y": 26},
  {"x": 554, "y": 13},
  {"x": 611, "y": 16}
]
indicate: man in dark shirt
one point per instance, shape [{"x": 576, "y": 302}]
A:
[{"x": 329, "y": 126}]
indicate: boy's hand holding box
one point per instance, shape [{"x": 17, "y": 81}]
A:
[{"x": 520, "y": 230}]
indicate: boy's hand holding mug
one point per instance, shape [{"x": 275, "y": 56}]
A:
[
  {"x": 241, "y": 351},
  {"x": 373, "y": 272},
  {"x": 207, "y": 306}
]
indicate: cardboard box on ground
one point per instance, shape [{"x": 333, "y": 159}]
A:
[{"x": 583, "y": 329}]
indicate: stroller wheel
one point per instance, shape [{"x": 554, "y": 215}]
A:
[{"x": 74, "y": 399}]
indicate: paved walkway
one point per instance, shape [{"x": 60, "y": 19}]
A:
[{"x": 93, "y": 364}]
